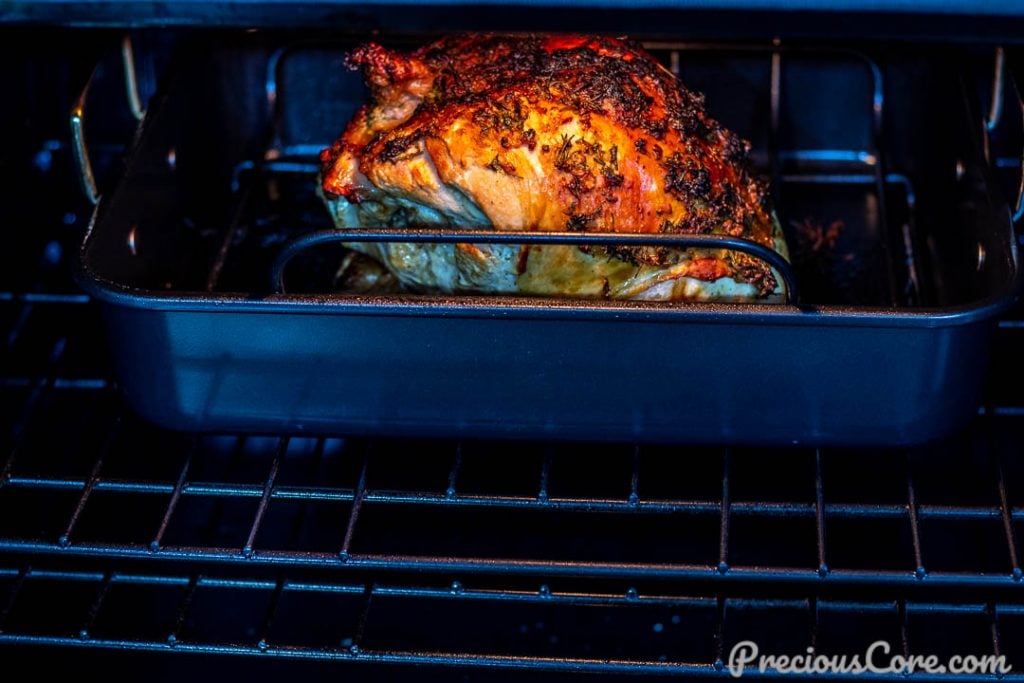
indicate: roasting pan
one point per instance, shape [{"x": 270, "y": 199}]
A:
[{"x": 888, "y": 343}]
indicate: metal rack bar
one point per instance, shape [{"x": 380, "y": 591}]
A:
[
  {"x": 726, "y": 510},
  {"x": 357, "y": 504},
  {"x": 19, "y": 325},
  {"x": 819, "y": 513},
  {"x": 46, "y": 297},
  {"x": 1006, "y": 515},
  {"x": 993, "y": 622},
  {"x": 172, "y": 504},
  {"x": 94, "y": 609},
  {"x": 878, "y": 121},
  {"x": 719, "y": 636},
  {"x": 925, "y": 511},
  {"x": 497, "y": 595},
  {"x": 814, "y": 621},
  {"x": 782, "y": 575},
  {"x": 182, "y": 611},
  {"x": 236, "y": 227},
  {"x": 775, "y": 104},
  {"x": 467, "y": 660},
  {"x": 59, "y": 383},
  {"x": 90, "y": 484},
  {"x": 915, "y": 528},
  {"x": 453, "y": 475},
  {"x": 901, "y": 611},
  {"x": 268, "y": 487},
  {"x": 361, "y": 620},
  {"x": 545, "y": 476},
  {"x": 315, "y": 466},
  {"x": 12, "y": 597},
  {"x": 634, "y": 480},
  {"x": 268, "y": 619},
  {"x": 40, "y": 389},
  {"x": 458, "y": 235}
]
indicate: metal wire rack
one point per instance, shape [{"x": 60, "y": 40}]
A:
[{"x": 114, "y": 534}]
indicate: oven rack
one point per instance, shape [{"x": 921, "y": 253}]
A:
[
  {"x": 348, "y": 644},
  {"x": 95, "y": 504}
]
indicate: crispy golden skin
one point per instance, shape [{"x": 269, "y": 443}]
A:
[{"x": 548, "y": 133}]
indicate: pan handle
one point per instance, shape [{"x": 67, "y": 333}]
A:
[
  {"x": 131, "y": 80},
  {"x": 78, "y": 143},
  {"x": 439, "y": 236},
  {"x": 1012, "y": 61}
]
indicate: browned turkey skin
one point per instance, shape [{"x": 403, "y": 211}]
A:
[{"x": 548, "y": 133}]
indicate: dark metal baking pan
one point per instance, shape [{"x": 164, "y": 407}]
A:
[{"x": 903, "y": 252}]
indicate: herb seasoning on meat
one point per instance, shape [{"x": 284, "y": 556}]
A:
[{"x": 548, "y": 133}]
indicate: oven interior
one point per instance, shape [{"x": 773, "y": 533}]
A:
[{"x": 121, "y": 542}]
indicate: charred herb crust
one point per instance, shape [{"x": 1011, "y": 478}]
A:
[
  {"x": 499, "y": 165},
  {"x": 753, "y": 271},
  {"x": 395, "y": 148}
]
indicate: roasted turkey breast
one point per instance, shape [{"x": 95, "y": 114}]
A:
[{"x": 548, "y": 133}]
